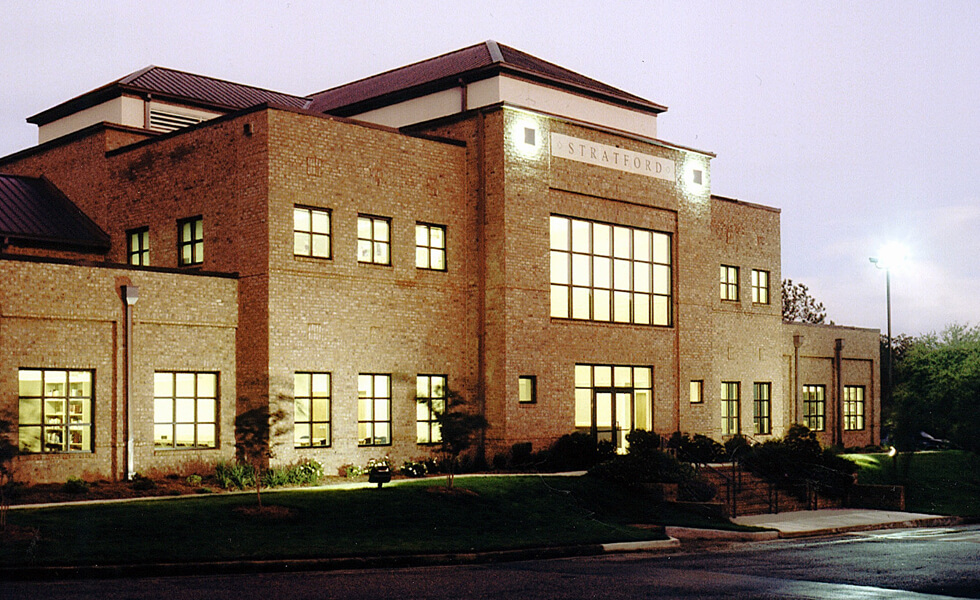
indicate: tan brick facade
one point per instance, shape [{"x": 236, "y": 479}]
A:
[{"x": 484, "y": 322}]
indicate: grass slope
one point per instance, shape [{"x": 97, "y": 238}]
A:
[
  {"x": 943, "y": 483},
  {"x": 501, "y": 513}
]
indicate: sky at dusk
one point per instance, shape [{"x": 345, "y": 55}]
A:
[{"x": 857, "y": 119}]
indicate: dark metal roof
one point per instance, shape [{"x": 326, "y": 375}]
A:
[
  {"x": 34, "y": 212},
  {"x": 471, "y": 64},
  {"x": 168, "y": 84}
]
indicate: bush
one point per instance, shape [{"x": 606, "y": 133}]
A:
[
  {"x": 798, "y": 459},
  {"x": 635, "y": 469},
  {"x": 303, "y": 473},
  {"x": 142, "y": 483},
  {"x": 76, "y": 485},
  {"x": 194, "y": 480},
  {"x": 736, "y": 446},
  {"x": 699, "y": 449},
  {"x": 642, "y": 441},
  {"x": 411, "y": 468},
  {"x": 234, "y": 475},
  {"x": 520, "y": 454},
  {"x": 576, "y": 452}
]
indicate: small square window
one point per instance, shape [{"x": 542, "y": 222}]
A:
[
  {"x": 527, "y": 389},
  {"x": 190, "y": 241},
  {"x": 697, "y": 176},
  {"x": 729, "y": 283},
  {"x": 311, "y": 232},
  {"x": 697, "y": 391},
  {"x": 138, "y": 247},
  {"x": 373, "y": 240},
  {"x": 529, "y": 136},
  {"x": 430, "y": 247}
]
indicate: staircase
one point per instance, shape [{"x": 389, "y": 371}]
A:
[{"x": 747, "y": 494}]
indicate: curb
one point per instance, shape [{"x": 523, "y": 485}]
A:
[
  {"x": 325, "y": 564},
  {"x": 721, "y": 535},
  {"x": 931, "y": 522}
]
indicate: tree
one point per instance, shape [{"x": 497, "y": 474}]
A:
[
  {"x": 800, "y": 306},
  {"x": 458, "y": 427},
  {"x": 257, "y": 431},
  {"x": 937, "y": 389}
]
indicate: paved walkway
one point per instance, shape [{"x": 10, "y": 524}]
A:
[{"x": 839, "y": 520}]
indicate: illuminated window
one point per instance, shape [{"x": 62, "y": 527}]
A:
[
  {"x": 814, "y": 407},
  {"x": 527, "y": 389},
  {"x": 55, "y": 411},
  {"x": 190, "y": 241},
  {"x": 185, "y": 410},
  {"x": 373, "y": 409},
  {"x": 730, "y": 424},
  {"x": 609, "y": 273},
  {"x": 760, "y": 287},
  {"x": 373, "y": 240},
  {"x": 311, "y": 232},
  {"x": 697, "y": 392},
  {"x": 762, "y": 408},
  {"x": 138, "y": 247},
  {"x": 430, "y": 402},
  {"x": 430, "y": 247},
  {"x": 613, "y": 400},
  {"x": 853, "y": 407},
  {"x": 311, "y": 409},
  {"x": 729, "y": 283}
]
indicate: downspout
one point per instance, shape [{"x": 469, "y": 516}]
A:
[
  {"x": 839, "y": 391},
  {"x": 130, "y": 295},
  {"x": 797, "y": 342}
]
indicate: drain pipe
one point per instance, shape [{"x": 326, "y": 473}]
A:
[{"x": 130, "y": 294}]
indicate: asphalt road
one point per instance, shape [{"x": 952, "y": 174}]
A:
[{"x": 907, "y": 563}]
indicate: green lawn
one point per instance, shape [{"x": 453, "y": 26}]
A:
[
  {"x": 945, "y": 483},
  {"x": 504, "y": 513}
]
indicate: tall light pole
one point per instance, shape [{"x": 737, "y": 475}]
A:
[{"x": 881, "y": 264}]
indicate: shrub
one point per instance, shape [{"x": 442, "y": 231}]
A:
[
  {"x": 798, "y": 459},
  {"x": 76, "y": 485},
  {"x": 699, "y": 449},
  {"x": 635, "y": 469},
  {"x": 520, "y": 454},
  {"x": 142, "y": 483},
  {"x": 234, "y": 475},
  {"x": 349, "y": 470},
  {"x": 194, "y": 480},
  {"x": 736, "y": 446},
  {"x": 642, "y": 441},
  {"x": 576, "y": 452},
  {"x": 411, "y": 468},
  {"x": 302, "y": 473}
]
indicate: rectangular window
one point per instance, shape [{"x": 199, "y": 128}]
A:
[
  {"x": 373, "y": 409},
  {"x": 430, "y": 402},
  {"x": 190, "y": 241},
  {"x": 730, "y": 423},
  {"x": 311, "y": 410},
  {"x": 853, "y": 407},
  {"x": 613, "y": 400},
  {"x": 729, "y": 283},
  {"x": 697, "y": 391},
  {"x": 610, "y": 273},
  {"x": 430, "y": 247},
  {"x": 55, "y": 411},
  {"x": 138, "y": 247},
  {"x": 373, "y": 240},
  {"x": 814, "y": 407},
  {"x": 527, "y": 389},
  {"x": 185, "y": 410},
  {"x": 760, "y": 287},
  {"x": 762, "y": 408},
  {"x": 311, "y": 232}
]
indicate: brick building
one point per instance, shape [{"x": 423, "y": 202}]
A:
[{"x": 178, "y": 249}]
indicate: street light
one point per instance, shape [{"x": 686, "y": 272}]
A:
[{"x": 889, "y": 257}]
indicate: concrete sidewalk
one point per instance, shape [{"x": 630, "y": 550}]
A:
[{"x": 841, "y": 520}]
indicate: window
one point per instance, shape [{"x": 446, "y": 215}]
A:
[
  {"x": 373, "y": 410},
  {"x": 613, "y": 400},
  {"x": 762, "y": 408},
  {"x": 697, "y": 392},
  {"x": 527, "y": 389},
  {"x": 760, "y": 286},
  {"x": 729, "y": 283},
  {"x": 609, "y": 273},
  {"x": 430, "y": 402},
  {"x": 311, "y": 232},
  {"x": 311, "y": 410},
  {"x": 730, "y": 424},
  {"x": 853, "y": 407},
  {"x": 814, "y": 407},
  {"x": 138, "y": 247},
  {"x": 55, "y": 410},
  {"x": 190, "y": 241},
  {"x": 430, "y": 247},
  {"x": 185, "y": 410},
  {"x": 373, "y": 240}
]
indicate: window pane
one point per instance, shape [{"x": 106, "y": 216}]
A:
[
  {"x": 602, "y": 272},
  {"x": 602, "y": 301},
  {"x": 185, "y": 410},
  {"x": 661, "y": 310},
  {"x": 30, "y": 383},
  {"x": 438, "y": 260},
  {"x": 321, "y": 409},
  {"x": 641, "y": 309},
  {"x": 642, "y": 277},
  {"x": 583, "y": 407},
  {"x": 301, "y": 434},
  {"x": 321, "y": 246},
  {"x": 364, "y": 250},
  {"x": 621, "y": 307},
  {"x": 580, "y": 236},
  {"x": 560, "y": 228},
  {"x": 559, "y": 268},
  {"x": 559, "y": 301},
  {"x": 207, "y": 384},
  {"x": 422, "y": 258},
  {"x": 55, "y": 383},
  {"x": 163, "y": 410},
  {"x": 301, "y": 219},
  {"x": 621, "y": 242},
  {"x": 207, "y": 410},
  {"x": 603, "y": 376},
  {"x": 301, "y": 384},
  {"x": 301, "y": 243},
  {"x": 581, "y": 272},
  {"x": 301, "y": 407},
  {"x": 623, "y": 377},
  {"x": 206, "y": 435},
  {"x": 421, "y": 235},
  {"x": 185, "y": 385},
  {"x": 642, "y": 377},
  {"x": 661, "y": 248},
  {"x": 321, "y": 221},
  {"x": 641, "y": 245},
  {"x": 163, "y": 384},
  {"x": 437, "y": 237},
  {"x": 580, "y": 303},
  {"x": 364, "y": 228},
  {"x": 30, "y": 411},
  {"x": 583, "y": 376},
  {"x": 321, "y": 384}
]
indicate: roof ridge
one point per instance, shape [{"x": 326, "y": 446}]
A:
[
  {"x": 208, "y": 77},
  {"x": 494, "y": 49}
]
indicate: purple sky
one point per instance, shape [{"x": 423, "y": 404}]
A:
[{"x": 857, "y": 119}]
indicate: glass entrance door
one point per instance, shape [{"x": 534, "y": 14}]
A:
[{"x": 612, "y": 416}]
